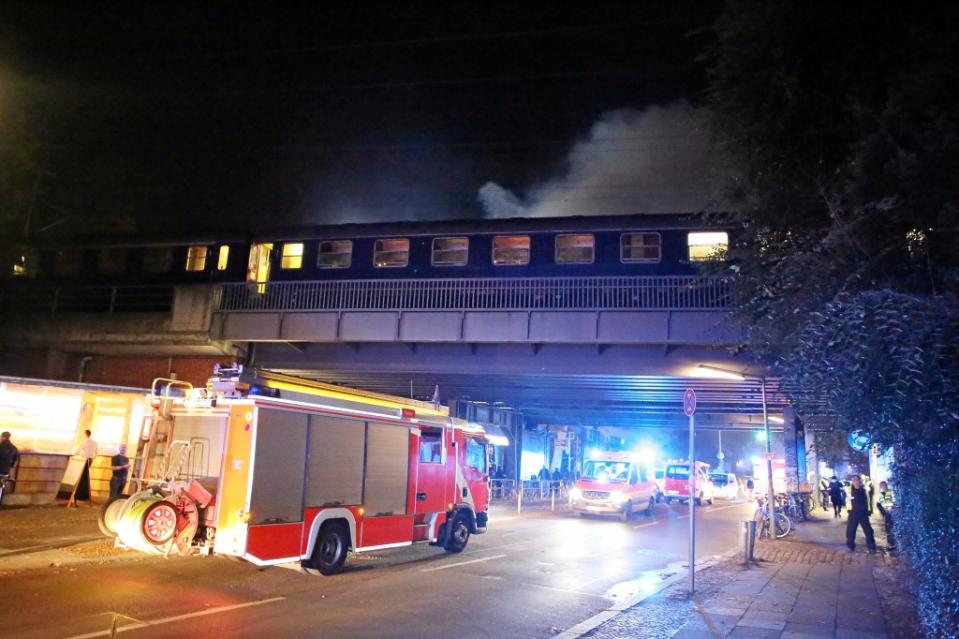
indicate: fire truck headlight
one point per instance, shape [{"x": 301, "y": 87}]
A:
[
  {"x": 575, "y": 493},
  {"x": 617, "y": 497}
]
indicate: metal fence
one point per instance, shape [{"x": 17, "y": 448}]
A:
[
  {"x": 89, "y": 299},
  {"x": 559, "y": 293}
]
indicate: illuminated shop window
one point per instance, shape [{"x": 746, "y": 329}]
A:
[
  {"x": 707, "y": 245},
  {"x": 511, "y": 250},
  {"x": 391, "y": 253},
  {"x": 112, "y": 261},
  {"x": 335, "y": 254},
  {"x": 223, "y": 259},
  {"x": 575, "y": 249},
  {"x": 640, "y": 247},
  {"x": 158, "y": 259},
  {"x": 196, "y": 258},
  {"x": 450, "y": 251}
]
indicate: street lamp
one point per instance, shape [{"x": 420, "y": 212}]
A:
[{"x": 705, "y": 370}]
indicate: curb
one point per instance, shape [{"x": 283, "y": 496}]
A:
[{"x": 612, "y": 612}]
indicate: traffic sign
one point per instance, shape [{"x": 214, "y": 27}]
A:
[{"x": 689, "y": 402}]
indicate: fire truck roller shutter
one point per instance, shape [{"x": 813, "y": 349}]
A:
[
  {"x": 387, "y": 469},
  {"x": 279, "y": 467},
  {"x": 335, "y": 466}
]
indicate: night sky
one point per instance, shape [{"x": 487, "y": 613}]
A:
[{"x": 150, "y": 115}]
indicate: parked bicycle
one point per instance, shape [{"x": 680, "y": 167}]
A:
[{"x": 783, "y": 524}]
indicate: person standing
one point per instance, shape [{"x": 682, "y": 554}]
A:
[
  {"x": 837, "y": 496},
  {"x": 120, "y": 465},
  {"x": 884, "y": 502},
  {"x": 8, "y": 454},
  {"x": 860, "y": 509},
  {"x": 87, "y": 449}
]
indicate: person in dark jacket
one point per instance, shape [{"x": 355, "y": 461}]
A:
[
  {"x": 860, "y": 509},
  {"x": 837, "y": 496},
  {"x": 8, "y": 454}
]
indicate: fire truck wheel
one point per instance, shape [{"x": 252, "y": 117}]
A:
[
  {"x": 159, "y": 522},
  {"x": 699, "y": 500},
  {"x": 330, "y": 549},
  {"x": 107, "y": 520},
  {"x": 669, "y": 500},
  {"x": 627, "y": 511},
  {"x": 649, "y": 506},
  {"x": 459, "y": 535}
]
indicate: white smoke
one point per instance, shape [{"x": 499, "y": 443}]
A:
[{"x": 658, "y": 160}]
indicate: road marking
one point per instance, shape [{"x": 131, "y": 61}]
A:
[
  {"x": 652, "y": 523},
  {"x": 724, "y": 507},
  {"x": 189, "y": 615},
  {"x": 572, "y": 592},
  {"x": 461, "y": 563}
]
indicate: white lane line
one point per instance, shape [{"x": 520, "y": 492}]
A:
[
  {"x": 724, "y": 507},
  {"x": 189, "y": 615},
  {"x": 568, "y": 591},
  {"x": 652, "y": 523},
  {"x": 461, "y": 563}
]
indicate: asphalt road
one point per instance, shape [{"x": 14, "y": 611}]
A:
[{"x": 530, "y": 576}]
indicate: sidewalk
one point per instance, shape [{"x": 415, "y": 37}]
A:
[
  {"x": 806, "y": 586},
  {"x": 35, "y": 537}
]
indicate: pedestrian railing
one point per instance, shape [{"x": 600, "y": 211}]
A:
[{"x": 686, "y": 292}]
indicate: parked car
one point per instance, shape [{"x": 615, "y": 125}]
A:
[{"x": 725, "y": 485}]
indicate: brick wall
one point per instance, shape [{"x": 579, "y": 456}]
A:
[{"x": 141, "y": 371}]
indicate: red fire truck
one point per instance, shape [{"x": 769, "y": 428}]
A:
[{"x": 274, "y": 468}]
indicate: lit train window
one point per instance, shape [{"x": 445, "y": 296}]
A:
[
  {"x": 511, "y": 249},
  {"x": 196, "y": 258},
  {"x": 223, "y": 259},
  {"x": 112, "y": 261},
  {"x": 158, "y": 259},
  {"x": 640, "y": 247},
  {"x": 292, "y": 256},
  {"x": 335, "y": 254},
  {"x": 708, "y": 245},
  {"x": 575, "y": 249},
  {"x": 391, "y": 253},
  {"x": 450, "y": 251}
]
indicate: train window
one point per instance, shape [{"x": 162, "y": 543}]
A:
[
  {"x": 223, "y": 258},
  {"x": 575, "y": 249},
  {"x": 708, "y": 245},
  {"x": 292, "y": 256},
  {"x": 67, "y": 263},
  {"x": 511, "y": 249},
  {"x": 391, "y": 253},
  {"x": 158, "y": 259},
  {"x": 640, "y": 247},
  {"x": 196, "y": 258},
  {"x": 450, "y": 251},
  {"x": 335, "y": 254},
  {"x": 112, "y": 261}
]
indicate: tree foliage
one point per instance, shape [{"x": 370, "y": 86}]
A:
[{"x": 842, "y": 138}]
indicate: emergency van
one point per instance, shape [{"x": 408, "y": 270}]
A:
[
  {"x": 677, "y": 482},
  {"x": 273, "y": 469},
  {"x": 614, "y": 484}
]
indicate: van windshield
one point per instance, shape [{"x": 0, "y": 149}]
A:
[
  {"x": 720, "y": 479},
  {"x": 606, "y": 470},
  {"x": 677, "y": 472}
]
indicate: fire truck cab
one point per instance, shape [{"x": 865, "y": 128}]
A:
[
  {"x": 614, "y": 483},
  {"x": 274, "y": 469},
  {"x": 677, "y": 482}
]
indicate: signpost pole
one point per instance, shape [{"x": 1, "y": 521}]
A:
[
  {"x": 692, "y": 505},
  {"x": 771, "y": 490},
  {"x": 689, "y": 407}
]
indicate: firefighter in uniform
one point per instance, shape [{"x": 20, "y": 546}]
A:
[{"x": 860, "y": 509}]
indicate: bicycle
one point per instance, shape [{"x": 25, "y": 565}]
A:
[
  {"x": 783, "y": 524},
  {"x": 6, "y": 485}
]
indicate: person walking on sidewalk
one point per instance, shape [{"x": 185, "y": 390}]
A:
[
  {"x": 860, "y": 509},
  {"x": 8, "y": 454},
  {"x": 837, "y": 496},
  {"x": 119, "y": 464}
]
